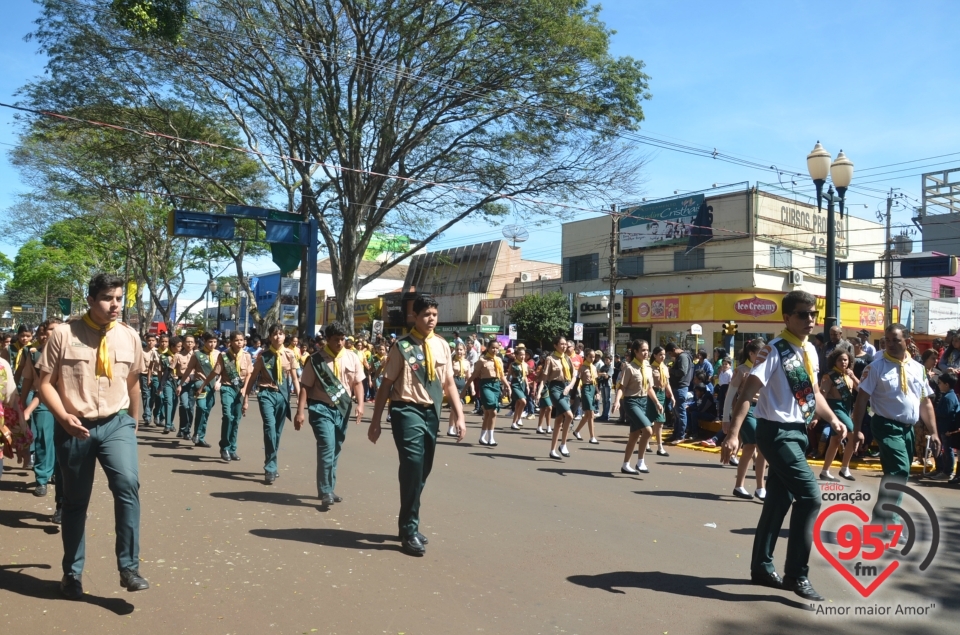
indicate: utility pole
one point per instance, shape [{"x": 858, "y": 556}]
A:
[
  {"x": 614, "y": 248},
  {"x": 888, "y": 269}
]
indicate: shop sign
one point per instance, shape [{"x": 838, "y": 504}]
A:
[
  {"x": 871, "y": 317},
  {"x": 659, "y": 308},
  {"x": 755, "y": 307},
  {"x": 659, "y": 224}
]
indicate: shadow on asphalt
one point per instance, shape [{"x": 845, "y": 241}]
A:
[
  {"x": 14, "y": 519},
  {"x": 342, "y": 538},
  {"x": 678, "y": 464},
  {"x": 196, "y": 458},
  {"x": 678, "y": 584},
  {"x": 704, "y": 496},
  {"x": 563, "y": 472},
  {"x": 752, "y": 531},
  {"x": 12, "y": 578},
  {"x": 14, "y": 486},
  {"x": 233, "y": 476},
  {"x": 265, "y": 496},
  {"x": 519, "y": 457}
]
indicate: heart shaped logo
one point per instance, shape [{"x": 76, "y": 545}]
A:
[{"x": 853, "y": 538}]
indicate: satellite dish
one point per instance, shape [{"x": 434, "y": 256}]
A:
[{"x": 515, "y": 234}]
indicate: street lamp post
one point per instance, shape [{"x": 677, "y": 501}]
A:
[
  {"x": 841, "y": 173},
  {"x": 225, "y": 292},
  {"x": 212, "y": 291}
]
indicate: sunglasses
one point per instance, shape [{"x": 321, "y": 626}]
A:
[{"x": 807, "y": 315}]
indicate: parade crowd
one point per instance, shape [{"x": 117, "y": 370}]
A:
[{"x": 74, "y": 394}]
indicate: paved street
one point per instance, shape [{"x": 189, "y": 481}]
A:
[{"x": 519, "y": 543}]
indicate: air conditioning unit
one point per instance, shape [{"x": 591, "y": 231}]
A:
[
  {"x": 526, "y": 277},
  {"x": 796, "y": 278},
  {"x": 486, "y": 320},
  {"x": 545, "y": 276}
]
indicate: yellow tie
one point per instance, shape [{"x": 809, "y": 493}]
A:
[
  {"x": 427, "y": 354},
  {"x": 796, "y": 341},
  {"x": 901, "y": 370},
  {"x": 336, "y": 360},
  {"x": 567, "y": 373},
  {"x": 104, "y": 366},
  {"x": 279, "y": 365}
]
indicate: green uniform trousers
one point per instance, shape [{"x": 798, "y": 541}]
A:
[
  {"x": 187, "y": 402},
  {"x": 274, "y": 408},
  {"x": 791, "y": 481},
  {"x": 168, "y": 403},
  {"x": 204, "y": 405},
  {"x": 112, "y": 442},
  {"x": 415, "y": 434},
  {"x": 231, "y": 401},
  {"x": 156, "y": 401},
  {"x": 896, "y": 441},
  {"x": 145, "y": 398},
  {"x": 45, "y": 447},
  {"x": 330, "y": 429}
]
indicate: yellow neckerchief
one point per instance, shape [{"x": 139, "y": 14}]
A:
[
  {"x": 336, "y": 359},
  {"x": 901, "y": 369},
  {"x": 796, "y": 341},
  {"x": 104, "y": 367},
  {"x": 843, "y": 375},
  {"x": 660, "y": 369},
  {"x": 643, "y": 366},
  {"x": 460, "y": 372},
  {"x": 748, "y": 363},
  {"x": 427, "y": 354},
  {"x": 279, "y": 363},
  {"x": 165, "y": 352},
  {"x": 236, "y": 359},
  {"x": 567, "y": 370},
  {"x": 587, "y": 367},
  {"x": 497, "y": 364},
  {"x": 19, "y": 349}
]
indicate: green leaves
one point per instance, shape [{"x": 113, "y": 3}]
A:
[
  {"x": 540, "y": 318},
  {"x": 153, "y": 18}
]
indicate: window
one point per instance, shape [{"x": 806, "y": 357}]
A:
[
  {"x": 630, "y": 266},
  {"x": 579, "y": 268},
  {"x": 475, "y": 286},
  {"x": 780, "y": 257},
  {"x": 820, "y": 266},
  {"x": 683, "y": 261},
  {"x": 947, "y": 292}
]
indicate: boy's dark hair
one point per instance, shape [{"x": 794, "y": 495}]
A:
[
  {"x": 670, "y": 347},
  {"x": 175, "y": 340},
  {"x": 209, "y": 335},
  {"x": 424, "y": 302},
  {"x": 274, "y": 328},
  {"x": 950, "y": 379},
  {"x": 254, "y": 340},
  {"x": 795, "y": 298},
  {"x": 335, "y": 329},
  {"x": 103, "y": 282}
]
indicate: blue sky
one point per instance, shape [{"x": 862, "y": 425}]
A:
[{"x": 762, "y": 81}]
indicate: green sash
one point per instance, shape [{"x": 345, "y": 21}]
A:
[
  {"x": 413, "y": 356},
  {"x": 845, "y": 395},
  {"x": 798, "y": 379},
  {"x": 230, "y": 368},
  {"x": 205, "y": 367},
  {"x": 332, "y": 385},
  {"x": 270, "y": 365}
]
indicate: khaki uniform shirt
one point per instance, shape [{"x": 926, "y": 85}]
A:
[
  {"x": 246, "y": 366},
  {"x": 461, "y": 368},
  {"x": 406, "y": 386},
  {"x": 151, "y": 361},
  {"x": 587, "y": 376},
  {"x": 288, "y": 363},
  {"x": 70, "y": 357},
  {"x": 487, "y": 367},
  {"x": 659, "y": 379},
  {"x": 632, "y": 380},
  {"x": 180, "y": 363},
  {"x": 553, "y": 369},
  {"x": 351, "y": 372}
]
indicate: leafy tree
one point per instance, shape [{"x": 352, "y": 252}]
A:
[
  {"x": 6, "y": 270},
  {"x": 540, "y": 318},
  {"x": 157, "y": 18},
  {"x": 381, "y": 116}
]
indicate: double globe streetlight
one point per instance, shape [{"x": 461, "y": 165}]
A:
[{"x": 841, "y": 173}]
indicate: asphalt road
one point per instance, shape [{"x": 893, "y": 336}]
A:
[{"x": 519, "y": 543}]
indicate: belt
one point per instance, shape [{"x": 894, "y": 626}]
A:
[
  {"x": 786, "y": 425},
  {"x": 899, "y": 423},
  {"x": 557, "y": 382},
  {"x": 90, "y": 423},
  {"x": 269, "y": 388},
  {"x": 319, "y": 402}
]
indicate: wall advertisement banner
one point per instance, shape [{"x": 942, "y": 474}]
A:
[
  {"x": 799, "y": 226},
  {"x": 659, "y": 224}
]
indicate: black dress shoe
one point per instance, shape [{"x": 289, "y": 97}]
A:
[
  {"x": 802, "y": 587},
  {"x": 412, "y": 545},
  {"x": 849, "y": 477},
  {"x": 167, "y": 431},
  {"x": 201, "y": 444},
  {"x": 57, "y": 516},
  {"x": 327, "y": 499},
  {"x": 762, "y": 578},
  {"x": 269, "y": 478},
  {"x": 339, "y": 499},
  {"x": 71, "y": 587},
  {"x": 224, "y": 456},
  {"x": 234, "y": 456},
  {"x": 194, "y": 439},
  {"x": 40, "y": 491},
  {"x": 421, "y": 537},
  {"x": 130, "y": 580}
]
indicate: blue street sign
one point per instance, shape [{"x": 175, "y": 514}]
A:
[
  {"x": 201, "y": 225},
  {"x": 286, "y": 232},
  {"x": 929, "y": 267},
  {"x": 249, "y": 212}
]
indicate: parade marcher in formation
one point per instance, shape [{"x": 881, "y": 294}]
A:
[
  {"x": 97, "y": 405},
  {"x": 233, "y": 369},
  {"x": 187, "y": 400},
  {"x": 785, "y": 376},
  {"x": 588, "y": 396},
  {"x": 461, "y": 371},
  {"x": 273, "y": 372},
  {"x": 896, "y": 388},
  {"x": 200, "y": 367},
  {"x": 557, "y": 374},
  {"x": 661, "y": 388},
  {"x": 170, "y": 348},
  {"x": 332, "y": 381},
  {"x": 544, "y": 402},
  {"x": 639, "y": 402},
  {"x": 417, "y": 376},
  {"x": 518, "y": 386},
  {"x": 748, "y": 430},
  {"x": 488, "y": 373},
  {"x": 838, "y": 386},
  {"x": 150, "y": 379},
  {"x": 41, "y": 419}
]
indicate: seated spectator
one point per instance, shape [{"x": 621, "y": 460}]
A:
[{"x": 703, "y": 408}]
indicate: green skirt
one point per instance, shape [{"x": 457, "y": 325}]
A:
[
  {"x": 490, "y": 393},
  {"x": 518, "y": 392},
  {"x": 560, "y": 402},
  {"x": 661, "y": 416},
  {"x": 636, "y": 413},
  {"x": 748, "y": 431},
  {"x": 588, "y": 393},
  {"x": 843, "y": 414}
]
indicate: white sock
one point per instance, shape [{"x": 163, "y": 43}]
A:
[
  {"x": 490, "y": 437},
  {"x": 845, "y": 471},
  {"x": 641, "y": 465},
  {"x": 825, "y": 473},
  {"x": 483, "y": 436}
]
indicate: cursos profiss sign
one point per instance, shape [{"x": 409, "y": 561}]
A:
[{"x": 755, "y": 307}]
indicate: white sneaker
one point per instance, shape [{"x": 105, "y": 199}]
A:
[
  {"x": 626, "y": 468},
  {"x": 761, "y": 493},
  {"x": 564, "y": 451},
  {"x": 531, "y": 416},
  {"x": 642, "y": 467}
]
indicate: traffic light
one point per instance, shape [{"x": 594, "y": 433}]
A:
[{"x": 730, "y": 328}]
